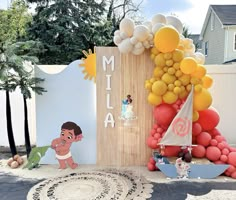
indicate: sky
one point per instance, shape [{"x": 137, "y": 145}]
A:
[{"x": 191, "y": 13}]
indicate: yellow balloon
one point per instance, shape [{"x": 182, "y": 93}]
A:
[
  {"x": 154, "y": 51},
  {"x": 152, "y": 56},
  {"x": 198, "y": 88},
  {"x": 170, "y": 97},
  {"x": 168, "y": 56},
  {"x": 171, "y": 87},
  {"x": 178, "y": 55},
  {"x": 176, "y": 65},
  {"x": 202, "y": 100},
  {"x": 199, "y": 72},
  {"x": 178, "y": 73},
  {"x": 160, "y": 60},
  {"x": 183, "y": 94},
  {"x": 178, "y": 83},
  {"x": 195, "y": 116},
  {"x": 188, "y": 65},
  {"x": 195, "y": 80},
  {"x": 177, "y": 90},
  {"x": 185, "y": 79},
  {"x": 154, "y": 99},
  {"x": 148, "y": 86},
  {"x": 207, "y": 81},
  {"x": 158, "y": 72},
  {"x": 171, "y": 71},
  {"x": 167, "y": 78},
  {"x": 166, "y": 39},
  {"x": 159, "y": 88},
  {"x": 169, "y": 63}
]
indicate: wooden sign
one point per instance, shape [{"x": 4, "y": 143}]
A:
[{"x": 117, "y": 76}]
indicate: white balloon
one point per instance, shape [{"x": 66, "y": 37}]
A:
[
  {"x": 156, "y": 27},
  {"x": 117, "y": 32},
  {"x": 133, "y": 40},
  {"x": 138, "y": 45},
  {"x": 125, "y": 46},
  {"x": 138, "y": 51},
  {"x": 117, "y": 39},
  {"x": 199, "y": 57},
  {"x": 174, "y": 21},
  {"x": 148, "y": 24},
  {"x": 158, "y": 19},
  {"x": 127, "y": 26},
  {"x": 150, "y": 37},
  {"x": 141, "y": 32},
  {"x": 123, "y": 35}
]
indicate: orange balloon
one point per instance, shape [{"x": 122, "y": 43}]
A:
[
  {"x": 188, "y": 65},
  {"x": 207, "y": 81}
]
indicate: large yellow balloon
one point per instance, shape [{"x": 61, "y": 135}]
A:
[
  {"x": 170, "y": 97},
  {"x": 166, "y": 39},
  {"x": 159, "y": 87},
  {"x": 188, "y": 65},
  {"x": 154, "y": 99},
  {"x": 202, "y": 100},
  {"x": 207, "y": 81}
]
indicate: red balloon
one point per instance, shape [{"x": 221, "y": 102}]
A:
[
  {"x": 225, "y": 151},
  {"x": 164, "y": 114},
  {"x": 232, "y": 149},
  {"x": 151, "y": 167},
  {"x": 151, "y": 142},
  {"x": 155, "y": 126},
  {"x": 213, "y": 142},
  {"x": 196, "y": 129},
  {"x": 219, "y": 138},
  {"x": 157, "y": 136},
  {"x": 221, "y": 145},
  {"x": 231, "y": 169},
  {"x": 171, "y": 151},
  {"x": 223, "y": 158},
  {"x": 214, "y": 132},
  {"x": 208, "y": 119},
  {"x": 219, "y": 162},
  {"x": 199, "y": 151},
  {"x": 152, "y": 161},
  {"x": 232, "y": 158},
  {"x": 152, "y": 132},
  {"x": 233, "y": 175},
  {"x": 204, "y": 139},
  {"x": 213, "y": 153}
]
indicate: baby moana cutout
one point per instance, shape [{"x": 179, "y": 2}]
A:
[{"x": 70, "y": 132}]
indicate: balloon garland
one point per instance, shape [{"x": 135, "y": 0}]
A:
[{"x": 177, "y": 68}]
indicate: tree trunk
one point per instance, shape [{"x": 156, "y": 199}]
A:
[
  {"x": 9, "y": 126},
  {"x": 26, "y": 128}
]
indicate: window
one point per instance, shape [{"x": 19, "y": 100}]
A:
[
  {"x": 212, "y": 21},
  {"x": 206, "y": 48},
  {"x": 234, "y": 41}
]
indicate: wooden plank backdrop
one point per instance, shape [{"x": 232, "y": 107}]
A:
[{"x": 123, "y": 145}]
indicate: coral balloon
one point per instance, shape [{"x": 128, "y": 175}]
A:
[
  {"x": 204, "y": 139},
  {"x": 154, "y": 99},
  {"x": 207, "y": 81},
  {"x": 196, "y": 129},
  {"x": 151, "y": 167},
  {"x": 164, "y": 114},
  {"x": 171, "y": 151},
  {"x": 199, "y": 151},
  {"x": 208, "y": 119},
  {"x": 166, "y": 39},
  {"x": 213, "y": 153},
  {"x": 202, "y": 100},
  {"x": 188, "y": 65},
  {"x": 232, "y": 158}
]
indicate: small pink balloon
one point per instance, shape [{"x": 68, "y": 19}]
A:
[
  {"x": 225, "y": 151},
  {"x": 213, "y": 142},
  {"x": 232, "y": 158},
  {"x": 223, "y": 158}
]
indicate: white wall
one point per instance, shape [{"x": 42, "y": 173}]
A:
[
  {"x": 223, "y": 92},
  {"x": 230, "y": 53}
]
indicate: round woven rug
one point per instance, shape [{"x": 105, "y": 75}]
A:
[{"x": 107, "y": 184}]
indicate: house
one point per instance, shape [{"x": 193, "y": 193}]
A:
[{"x": 218, "y": 34}]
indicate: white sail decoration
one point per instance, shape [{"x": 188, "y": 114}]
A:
[{"x": 179, "y": 132}]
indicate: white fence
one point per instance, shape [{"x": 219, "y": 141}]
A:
[{"x": 223, "y": 92}]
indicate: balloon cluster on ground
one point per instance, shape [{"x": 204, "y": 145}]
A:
[{"x": 178, "y": 68}]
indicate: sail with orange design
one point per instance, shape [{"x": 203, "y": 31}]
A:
[{"x": 179, "y": 132}]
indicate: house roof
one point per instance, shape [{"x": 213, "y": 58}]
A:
[{"x": 225, "y": 13}]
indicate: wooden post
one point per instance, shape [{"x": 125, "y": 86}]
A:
[{"x": 122, "y": 145}]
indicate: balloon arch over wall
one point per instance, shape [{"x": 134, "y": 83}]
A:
[{"x": 177, "y": 68}]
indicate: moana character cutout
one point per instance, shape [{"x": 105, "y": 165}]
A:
[{"x": 70, "y": 132}]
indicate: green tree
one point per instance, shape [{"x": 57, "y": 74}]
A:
[
  {"x": 13, "y": 74},
  {"x": 13, "y": 22}
]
